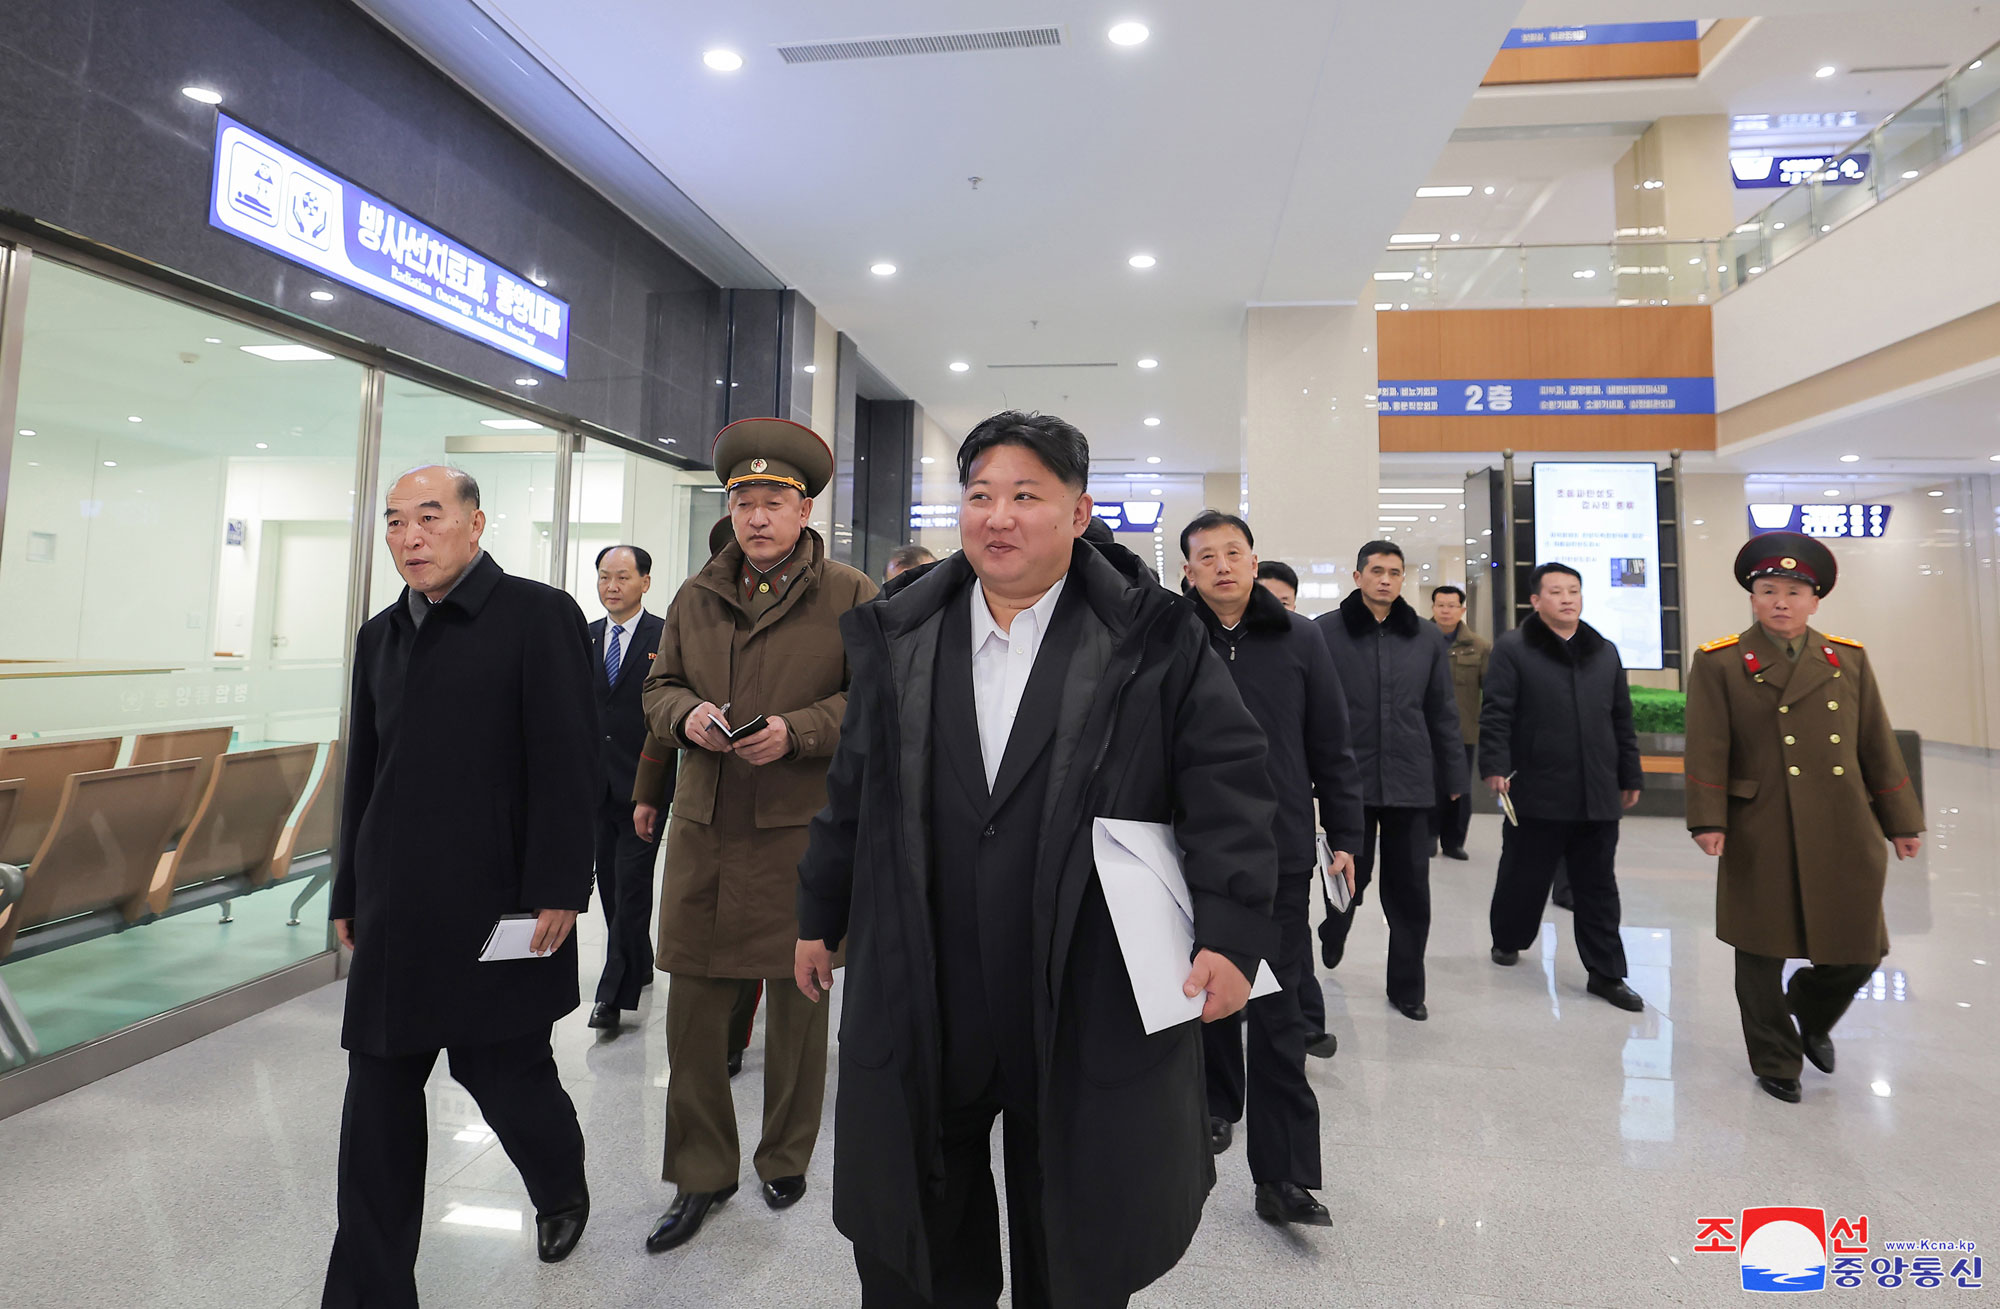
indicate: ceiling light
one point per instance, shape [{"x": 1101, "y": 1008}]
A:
[
  {"x": 1384, "y": 304},
  {"x": 322, "y": 296},
  {"x": 511, "y": 424},
  {"x": 263, "y": 445},
  {"x": 213, "y": 340},
  {"x": 1454, "y": 236},
  {"x": 528, "y": 381},
  {"x": 1879, "y": 1087},
  {"x": 1994, "y": 458},
  {"x": 1910, "y": 174},
  {"x": 1829, "y": 493},
  {"x": 111, "y": 463},
  {"x": 1975, "y": 63},
  {"x": 1415, "y": 504},
  {"x": 960, "y": 366},
  {"x": 927, "y": 459},
  {"x": 1756, "y": 270},
  {"x": 1157, "y": 491},
  {"x": 1699, "y": 521},
  {"x": 1152, "y": 422},
  {"x": 1935, "y": 494},
  {"x": 1951, "y": 511},
  {"x": 1584, "y": 272},
  {"x": 1441, "y": 192},
  {"x": 1394, "y": 277},
  {"x": 284, "y": 354},
  {"x": 1777, "y": 227},
  {"x": 1128, "y": 33},
  {"x": 1824, "y": 70},
  {"x": 1489, "y": 190},
  {"x": 538, "y": 279},
  {"x": 1695, "y": 262},
  {"x": 1850, "y": 459},
  {"x": 27, "y": 431},
  {"x": 134, "y": 418},
  {"x": 812, "y": 368},
  {"x": 1149, "y": 363},
  {"x": 202, "y": 95},
  {"x": 1395, "y": 518},
  {"x": 1152, "y": 459},
  {"x": 884, "y": 269},
  {"x": 1141, "y": 261},
  {"x": 722, "y": 61},
  {"x": 1414, "y": 238}
]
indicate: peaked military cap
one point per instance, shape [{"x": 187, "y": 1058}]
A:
[
  {"x": 775, "y": 451},
  {"x": 1787, "y": 554}
]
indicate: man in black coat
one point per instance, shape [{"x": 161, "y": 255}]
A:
[
  {"x": 1556, "y": 737},
  {"x": 471, "y": 763},
  {"x": 1396, "y": 671},
  {"x": 1001, "y": 701},
  {"x": 622, "y": 645},
  {"x": 1281, "y": 667}
]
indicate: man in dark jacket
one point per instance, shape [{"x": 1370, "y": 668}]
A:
[
  {"x": 1556, "y": 738},
  {"x": 1396, "y": 672},
  {"x": 471, "y": 771},
  {"x": 1001, "y": 702},
  {"x": 1283, "y": 671},
  {"x": 623, "y": 644}
]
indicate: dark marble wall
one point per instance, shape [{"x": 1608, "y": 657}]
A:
[{"x": 96, "y": 139}]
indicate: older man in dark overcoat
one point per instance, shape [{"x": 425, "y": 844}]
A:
[{"x": 471, "y": 756}]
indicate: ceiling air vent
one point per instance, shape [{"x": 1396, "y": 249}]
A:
[
  {"x": 1899, "y": 68},
  {"x": 947, "y": 43}
]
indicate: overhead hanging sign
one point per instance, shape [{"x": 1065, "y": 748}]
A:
[
  {"x": 1831, "y": 120},
  {"x": 1828, "y": 520},
  {"x": 1604, "y": 521},
  {"x": 273, "y": 197},
  {"x": 1778, "y": 171},
  {"x": 1517, "y": 397},
  {"x": 1128, "y": 515},
  {"x": 1571, "y": 34}
]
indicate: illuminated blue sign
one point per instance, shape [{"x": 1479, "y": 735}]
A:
[
  {"x": 1828, "y": 520},
  {"x": 1752, "y": 171},
  {"x": 1128, "y": 515},
  {"x": 275, "y": 198},
  {"x": 1517, "y": 397},
  {"x": 1543, "y": 38}
]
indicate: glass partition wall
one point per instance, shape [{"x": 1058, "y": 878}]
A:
[{"x": 188, "y": 496}]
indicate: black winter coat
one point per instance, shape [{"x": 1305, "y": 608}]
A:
[
  {"x": 1286, "y": 676},
  {"x": 1150, "y": 728},
  {"x": 1400, "y": 704},
  {"x": 472, "y": 780},
  {"x": 1558, "y": 715}
]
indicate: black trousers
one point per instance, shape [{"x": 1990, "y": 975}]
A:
[
  {"x": 1528, "y": 857},
  {"x": 964, "y": 1222},
  {"x": 384, "y": 1132},
  {"x": 625, "y": 888},
  {"x": 1454, "y": 817},
  {"x": 1406, "y": 896},
  {"x": 1821, "y": 994},
  {"x": 1284, "y": 1115}
]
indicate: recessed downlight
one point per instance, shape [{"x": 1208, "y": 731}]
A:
[
  {"x": 1142, "y": 261},
  {"x": 883, "y": 269},
  {"x": 527, "y": 381},
  {"x": 1489, "y": 190},
  {"x": 134, "y": 418},
  {"x": 1442, "y": 192},
  {"x": 1152, "y": 459},
  {"x": 1454, "y": 236},
  {"x": 1850, "y": 459},
  {"x": 111, "y": 463},
  {"x": 1149, "y": 363},
  {"x": 1152, "y": 422},
  {"x": 960, "y": 366},
  {"x": 1830, "y": 493},
  {"x": 27, "y": 431},
  {"x": 722, "y": 61},
  {"x": 1825, "y": 70},
  {"x": 1128, "y": 33},
  {"x": 202, "y": 95},
  {"x": 1414, "y": 238},
  {"x": 927, "y": 459},
  {"x": 213, "y": 340},
  {"x": 811, "y": 368},
  {"x": 263, "y": 445}
]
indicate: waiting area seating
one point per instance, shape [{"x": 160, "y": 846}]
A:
[{"x": 43, "y": 769}]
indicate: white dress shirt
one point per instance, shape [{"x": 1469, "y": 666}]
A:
[
  {"x": 623, "y": 640},
  {"x": 1001, "y": 662}
]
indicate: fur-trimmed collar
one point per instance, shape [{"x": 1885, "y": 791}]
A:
[
  {"x": 1578, "y": 648},
  {"x": 1359, "y": 619},
  {"x": 1265, "y": 614}
]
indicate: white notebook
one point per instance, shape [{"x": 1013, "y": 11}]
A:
[{"x": 510, "y": 938}]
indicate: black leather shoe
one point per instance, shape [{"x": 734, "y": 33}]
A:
[
  {"x": 784, "y": 1192},
  {"x": 556, "y": 1233},
  {"x": 1283, "y": 1202},
  {"x": 1780, "y": 1088},
  {"x": 684, "y": 1217},
  {"x": 1220, "y": 1133},
  {"x": 1416, "y": 1013},
  {"x": 1614, "y": 991},
  {"x": 1330, "y": 950},
  {"x": 1456, "y": 852},
  {"x": 604, "y": 1015},
  {"x": 1323, "y": 1045},
  {"x": 1818, "y": 1045},
  {"x": 1505, "y": 958},
  {"x": 735, "y": 1062}
]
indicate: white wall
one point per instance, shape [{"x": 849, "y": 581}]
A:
[{"x": 1920, "y": 259}]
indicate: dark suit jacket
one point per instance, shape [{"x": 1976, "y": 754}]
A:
[
  {"x": 470, "y": 786},
  {"x": 620, "y": 712}
]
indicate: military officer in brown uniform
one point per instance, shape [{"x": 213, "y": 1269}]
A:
[
  {"x": 1794, "y": 778},
  {"x": 754, "y": 637},
  {"x": 1470, "y": 653}
]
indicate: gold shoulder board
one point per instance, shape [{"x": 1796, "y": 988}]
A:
[
  {"x": 1724, "y": 642},
  {"x": 1844, "y": 640}
]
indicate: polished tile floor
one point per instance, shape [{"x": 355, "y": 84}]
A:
[{"x": 1529, "y": 1145}]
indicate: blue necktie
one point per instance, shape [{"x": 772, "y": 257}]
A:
[{"x": 611, "y": 656}]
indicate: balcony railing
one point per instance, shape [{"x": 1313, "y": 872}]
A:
[{"x": 1955, "y": 115}]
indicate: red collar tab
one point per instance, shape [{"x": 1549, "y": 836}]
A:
[
  {"x": 1752, "y": 662},
  {"x": 1831, "y": 657}
]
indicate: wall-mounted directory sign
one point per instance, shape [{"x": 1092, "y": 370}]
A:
[
  {"x": 1830, "y": 120},
  {"x": 1128, "y": 515},
  {"x": 1547, "y": 395},
  {"x": 1777, "y": 171},
  {"x": 934, "y": 517},
  {"x": 1604, "y": 521},
  {"x": 1821, "y": 519},
  {"x": 273, "y": 197},
  {"x": 1574, "y": 34}
]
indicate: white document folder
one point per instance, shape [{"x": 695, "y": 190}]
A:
[
  {"x": 1139, "y": 867},
  {"x": 511, "y": 938}
]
